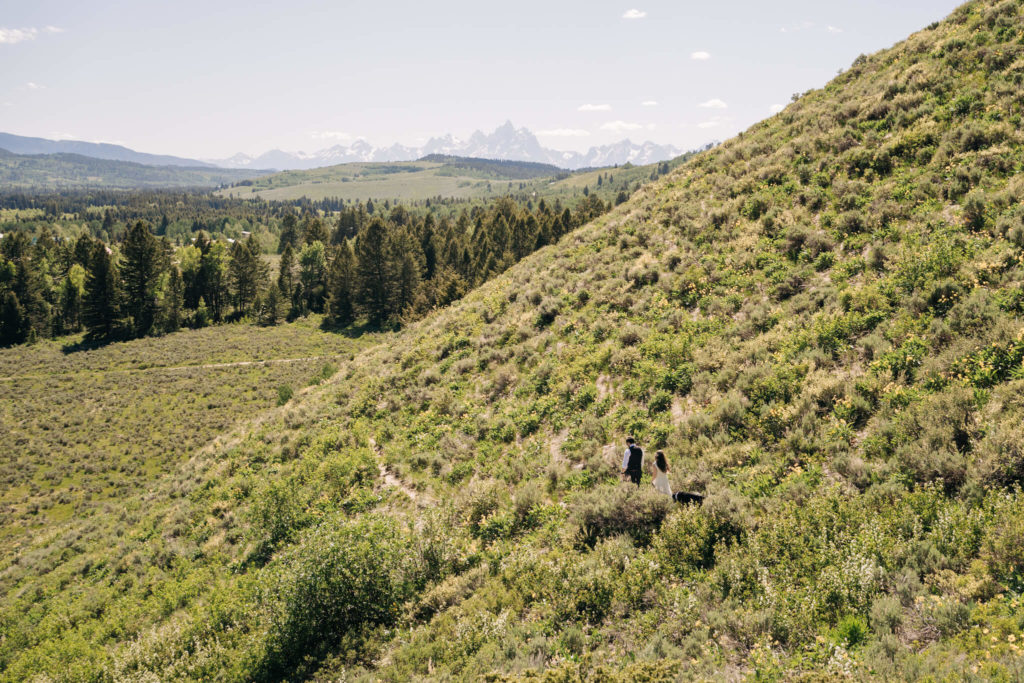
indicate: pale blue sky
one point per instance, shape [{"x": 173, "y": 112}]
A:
[{"x": 211, "y": 78}]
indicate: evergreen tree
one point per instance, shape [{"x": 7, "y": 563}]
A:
[
  {"x": 341, "y": 284},
  {"x": 213, "y": 276},
  {"x": 71, "y": 293},
  {"x": 286, "y": 272},
  {"x": 375, "y": 271},
  {"x": 406, "y": 259},
  {"x": 272, "y": 305},
  {"x": 173, "y": 301},
  {"x": 429, "y": 247},
  {"x": 140, "y": 273},
  {"x": 247, "y": 273},
  {"x": 100, "y": 306},
  {"x": 313, "y": 275},
  {"x": 13, "y": 322},
  {"x": 289, "y": 233},
  {"x": 314, "y": 230}
]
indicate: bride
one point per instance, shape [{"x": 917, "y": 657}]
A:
[{"x": 661, "y": 474}]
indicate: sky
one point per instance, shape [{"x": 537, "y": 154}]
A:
[{"x": 210, "y": 79}]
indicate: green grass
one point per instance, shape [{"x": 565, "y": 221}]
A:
[
  {"x": 820, "y": 323},
  {"x": 83, "y": 428},
  {"x": 417, "y": 181}
]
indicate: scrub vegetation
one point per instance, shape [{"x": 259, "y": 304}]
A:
[{"x": 819, "y": 321}]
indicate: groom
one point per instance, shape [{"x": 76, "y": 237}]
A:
[{"x": 633, "y": 461}]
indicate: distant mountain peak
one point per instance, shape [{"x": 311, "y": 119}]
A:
[{"x": 506, "y": 143}]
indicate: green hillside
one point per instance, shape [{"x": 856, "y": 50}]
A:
[
  {"x": 72, "y": 171},
  {"x": 446, "y": 177},
  {"x": 819, "y": 321}
]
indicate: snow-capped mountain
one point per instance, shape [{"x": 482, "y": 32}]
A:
[{"x": 507, "y": 142}]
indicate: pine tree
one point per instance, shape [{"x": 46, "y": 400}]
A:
[
  {"x": 247, "y": 273},
  {"x": 341, "y": 287},
  {"x": 140, "y": 274},
  {"x": 100, "y": 306},
  {"x": 313, "y": 275},
  {"x": 314, "y": 230},
  {"x": 286, "y": 272},
  {"x": 272, "y": 305},
  {"x": 406, "y": 259},
  {"x": 173, "y": 301},
  {"x": 375, "y": 271},
  {"x": 289, "y": 233},
  {"x": 13, "y": 321},
  {"x": 71, "y": 293}
]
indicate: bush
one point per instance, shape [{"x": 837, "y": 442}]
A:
[
  {"x": 284, "y": 394},
  {"x": 343, "y": 578},
  {"x": 604, "y": 513},
  {"x": 686, "y": 541}
]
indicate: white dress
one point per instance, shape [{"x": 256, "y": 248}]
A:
[{"x": 661, "y": 482}]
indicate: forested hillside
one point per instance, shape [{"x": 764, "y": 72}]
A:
[
  {"x": 820, "y": 323},
  {"x": 64, "y": 171}
]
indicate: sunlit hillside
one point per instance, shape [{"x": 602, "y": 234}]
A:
[{"x": 819, "y": 322}]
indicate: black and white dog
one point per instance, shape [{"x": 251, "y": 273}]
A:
[{"x": 685, "y": 498}]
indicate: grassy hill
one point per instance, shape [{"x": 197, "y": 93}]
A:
[
  {"x": 819, "y": 321},
  {"x": 444, "y": 176},
  {"x": 73, "y": 171}
]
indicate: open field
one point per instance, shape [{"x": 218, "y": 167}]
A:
[
  {"x": 416, "y": 181},
  {"x": 81, "y": 428}
]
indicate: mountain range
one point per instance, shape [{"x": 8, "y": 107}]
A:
[
  {"x": 19, "y": 144},
  {"x": 506, "y": 143}
]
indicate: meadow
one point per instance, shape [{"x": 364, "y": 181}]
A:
[
  {"x": 419, "y": 181},
  {"x": 82, "y": 427}
]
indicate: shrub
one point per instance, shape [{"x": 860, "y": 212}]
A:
[
  {"x": 604, "y": 513},
  {"x": 284, "y": 394},
  {"x": 686, "y": 541},
  {"x": 343, "y": 578}
]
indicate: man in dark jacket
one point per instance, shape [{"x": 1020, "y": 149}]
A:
[{"x": 633, "y": 462}]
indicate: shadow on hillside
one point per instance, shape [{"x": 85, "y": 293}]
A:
[{"x": 86, "y": 345}]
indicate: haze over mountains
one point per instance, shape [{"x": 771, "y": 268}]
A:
[
  {"x": 507, "y": 143},
  {"x": 19, "y": 144}
]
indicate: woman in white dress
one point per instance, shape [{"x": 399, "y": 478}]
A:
[{"x": 661, "y": 484}]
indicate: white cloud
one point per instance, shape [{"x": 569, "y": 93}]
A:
[
  {"x": 594, "y": 107},
  {"x": 776, "y": 108},
  {"x": 634, "y": 14},
  {"x": 619, "y": 126},
  {"x": 34, "y": 86},
  {"x": 564, "y": 133},
  {"x": 833, "y": 29},
  {"x": 700, "y": 56},
  {"x": 10, "y": 36},
  {"x": 330, "y": 135},
  {"x": 54, "y": 135},
  {"x": 713, "y": 123},
  {"x": 649, "y": 103},
  {"x": 714, "y": 103}
]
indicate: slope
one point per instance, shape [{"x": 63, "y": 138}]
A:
[
  {"x": 74, "y": 171},
  {"x": 19, "y": 144},
  {"x": 819, "y": 321},
  {"x": 447, "y": 177}
]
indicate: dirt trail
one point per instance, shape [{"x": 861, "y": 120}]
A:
[
  {"x": 391, "y": 480},
  {"x": 155, "y": 368}
]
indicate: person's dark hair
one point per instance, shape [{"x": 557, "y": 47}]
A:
[
  {"x": 661, "y": 461},
  {"x": 630, "y": 440}
]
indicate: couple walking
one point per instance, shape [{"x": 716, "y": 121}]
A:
[{"x": 633, "y": 467}]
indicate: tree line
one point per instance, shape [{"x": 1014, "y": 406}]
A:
[{"x": 384, "y": 268}]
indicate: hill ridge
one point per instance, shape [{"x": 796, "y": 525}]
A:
[{"x": 837, "y": 290}]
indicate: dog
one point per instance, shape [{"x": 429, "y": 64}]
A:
[{"x": 684, "y": 498}]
